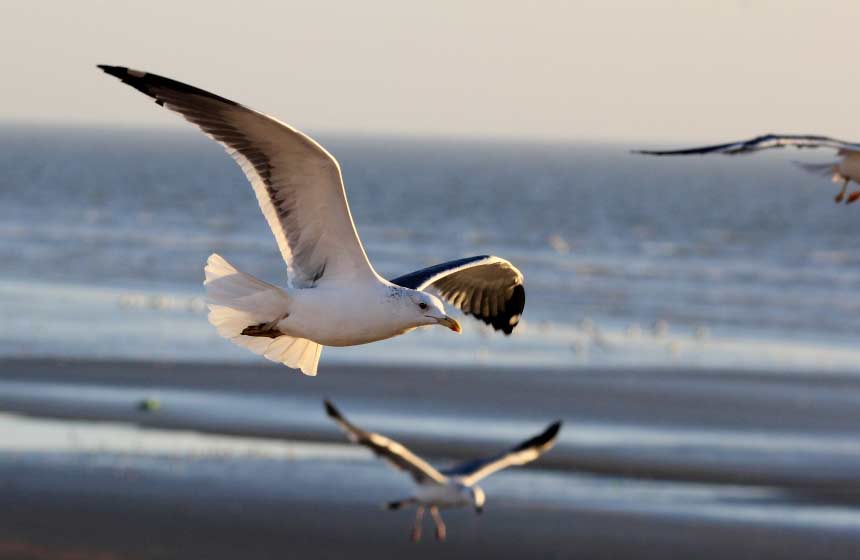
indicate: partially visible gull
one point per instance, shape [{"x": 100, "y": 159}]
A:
[
  {"x": 454, "y": 487},
  {"x": 844, "y": 170},
  {"x": 334, "y": 296}
]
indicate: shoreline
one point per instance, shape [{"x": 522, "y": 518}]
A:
[
  {"x": 97, "y": 503},
  {"x": 654, "y": 424},
  {"x": 166, "y": 322}
]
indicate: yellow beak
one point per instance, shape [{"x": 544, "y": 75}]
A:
[{"x": 451, "y": 324}]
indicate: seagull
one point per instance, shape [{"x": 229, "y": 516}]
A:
[
  {"x": 454, "y": 487},
  {"x": 844, "y": 170},
  {"x": 333, "y": 296}
]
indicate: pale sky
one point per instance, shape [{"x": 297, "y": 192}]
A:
[{"x": 655, "y": 70}]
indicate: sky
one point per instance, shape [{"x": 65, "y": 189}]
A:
[{"x": 626, "y": 70}]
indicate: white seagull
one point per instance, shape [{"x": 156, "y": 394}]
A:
[
  {"x": 843, "y": 170},
  {"x": 454, "y": 487},
  {"x": 334, "y": 297}
]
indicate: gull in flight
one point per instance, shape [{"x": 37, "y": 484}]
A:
[
  {"x": 844, "y": 170},
  {"x": 334, "y": 297},
  {"x": 455, "y": 487}
]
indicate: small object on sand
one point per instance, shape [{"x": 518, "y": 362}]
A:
[
  {"x": 558, "y": 243},
  {"x": 701, "y": 333},
  {"x": 454, "y": 487},
  {"x": 660, "y": 328},
  {"x": 149, "y": 404}
]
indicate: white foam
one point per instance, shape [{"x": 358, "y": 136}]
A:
[
  {"x": 28, "y": 435},
  {"x": 50, "y": 319}
]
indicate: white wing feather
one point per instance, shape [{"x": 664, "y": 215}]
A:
[{"x": 297, "y": 183}]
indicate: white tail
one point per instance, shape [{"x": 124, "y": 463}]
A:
[{"x": 238, "y": 301}]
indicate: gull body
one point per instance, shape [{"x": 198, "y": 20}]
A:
[
  {"x": 333, "y": 296},
  {"x": 447, "y": 488},
  {"x": 848, "y": 166},
  {"x": 452, "y": 494},
  {"x": 363, "y": 314}
]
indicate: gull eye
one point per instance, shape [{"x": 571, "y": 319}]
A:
[{"x": 422, "y": 305}]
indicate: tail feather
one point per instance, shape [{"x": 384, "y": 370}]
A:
[
  {"x": 238, "y": 301},
  {"x": 284, "y": 348},
  {"x": 227, "y": 286}
]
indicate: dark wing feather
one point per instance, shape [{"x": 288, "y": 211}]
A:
[
  {"x": 526, "y": 452},
  {"x": 764, "y": 142},
  {"x": 486, "y": 287},
  {"x": 297, "y": 183},
  {"x": 388, "y": 449}
]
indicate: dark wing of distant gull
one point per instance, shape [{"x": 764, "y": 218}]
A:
[
  {"x": 298, "y": 184},
  {"x": 526, "y": 452},
  {"x": 388, "y": 449},
  {"x": 764, "y": 142},
  {"x": 486, "y": 287}
]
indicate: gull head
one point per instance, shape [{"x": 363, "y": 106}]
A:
[{"x": 426, "y": 309}]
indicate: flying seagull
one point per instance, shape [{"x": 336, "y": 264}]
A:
[
  {"x": 455, "y": 487},
  {"x": 844, "y": 170},
  {"x": 334, "y": 297}
]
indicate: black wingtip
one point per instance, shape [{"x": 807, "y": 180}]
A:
[
  {"x": 123, "y": 73},
  {"x": 137, "y": 79},
  {"x": 112, "y": 70},
  {"x": 549, "y": 434},
  {"x": 331, "y": 410},
  {"x": 155, "y": 86},
  {"x": 542, "y": 439},
  {"x": 507, "y": 321}
]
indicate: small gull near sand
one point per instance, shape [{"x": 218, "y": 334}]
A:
[{"x": 449, "y": 488}]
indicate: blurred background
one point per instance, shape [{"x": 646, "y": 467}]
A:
[{"x": 692, "y": 320}]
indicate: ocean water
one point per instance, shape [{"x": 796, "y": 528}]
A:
[{"x": 628, "y": 260}]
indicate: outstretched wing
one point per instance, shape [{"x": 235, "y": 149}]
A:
[
  {"x": 388, "y": 449},
  {"x": 486, "y": 287},
  {"x": 526, "y": 452},
  {"x": 298, "y": 184},
  {"x": 764, "y": 142}
]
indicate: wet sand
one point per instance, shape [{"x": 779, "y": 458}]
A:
[
  {"x": 240, "y": 508},
  {"x": 795, "y": 430},
  {"x": 605, "y": 492}
]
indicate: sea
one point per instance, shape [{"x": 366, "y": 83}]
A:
[{"x": 629, "y": 261}]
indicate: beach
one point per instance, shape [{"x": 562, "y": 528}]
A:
[
  {"x": 240, "y": 461},
  {"x": 704, "y": 361},
  {"x": 481, "y": 178}
]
